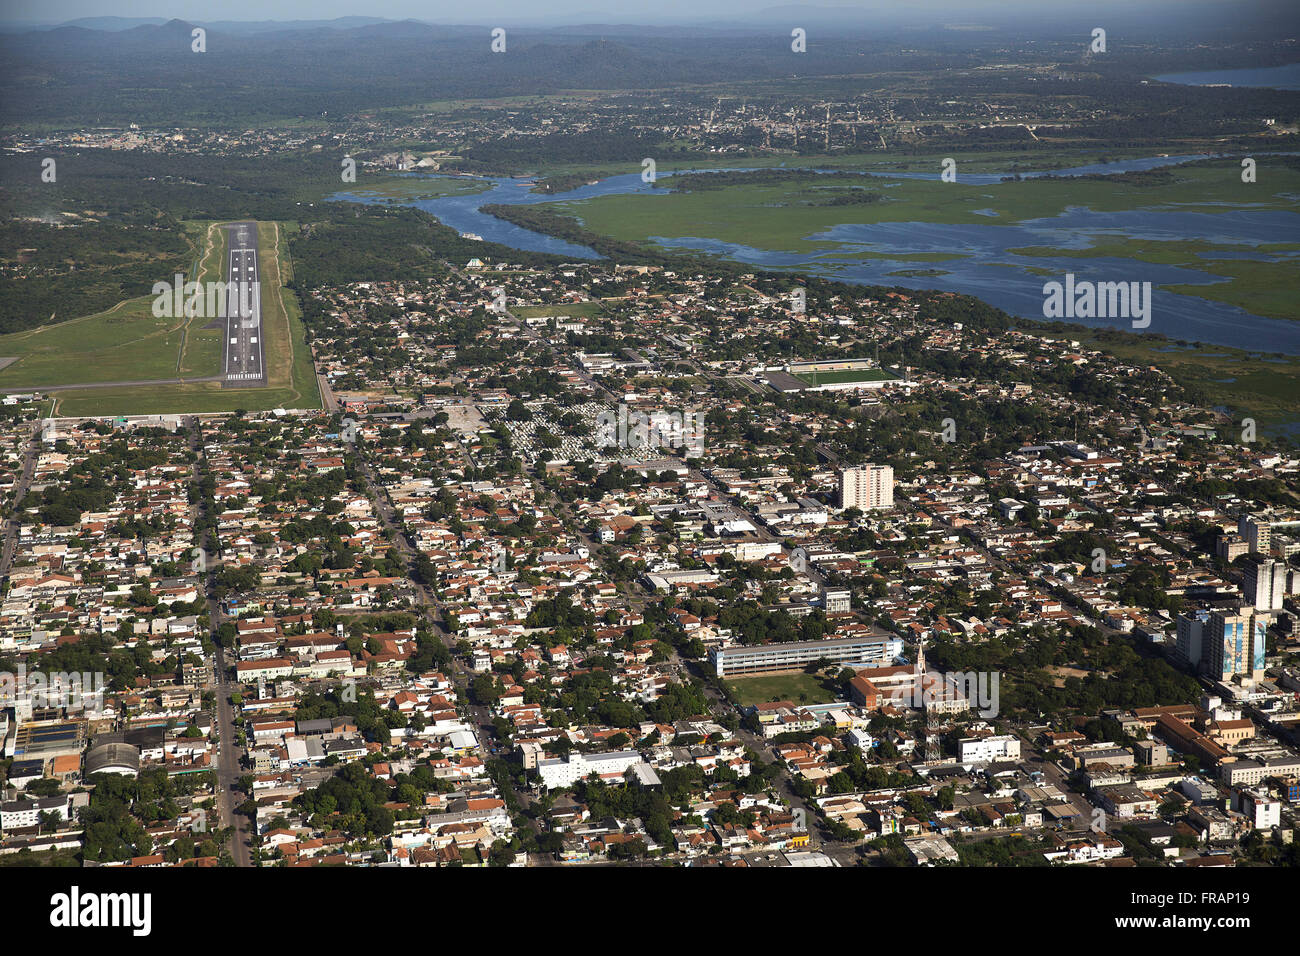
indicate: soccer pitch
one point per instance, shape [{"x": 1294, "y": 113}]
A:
[{"x": 842, "y": 376}]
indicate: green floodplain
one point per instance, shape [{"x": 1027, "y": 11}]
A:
[
  {"x": 398, "y": 188},
  {"x": 781, "y": 215}
]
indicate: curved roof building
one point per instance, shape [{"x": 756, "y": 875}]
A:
[{"x": 113, "y": 757}]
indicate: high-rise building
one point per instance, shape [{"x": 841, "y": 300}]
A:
[
  {"x": 1257, "y": 532},
  {"x": 867, "y": 487},
  {"x": 1235, "y": 644},
  {"x": 1190, "y": 645},
  {"x": 1265, "y": 586},
  {"x": 1230, "y": 547}
]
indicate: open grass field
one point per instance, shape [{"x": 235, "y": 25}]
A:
[
  {"x": 127, "y": 344},
  {"x": 799, "y": 688},
  {"x": 845, "y": 375},
  {"x": 124, "y": 343},
  {"x": 288, "y": 359},
  {"x": 402, "y": 188},
  {"x": 197, "y": 397},
  {"x": 572, "y": 309},
  {"x": 201, "y": 352}
]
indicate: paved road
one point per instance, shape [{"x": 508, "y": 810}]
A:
[
  {"x": 12, "y": 525},
  {"x": 461, "y": 674},
  {"x": 327, "y": 395},
  {"x": 229, "y": 754},
  {"x": 245, "y": 360}
]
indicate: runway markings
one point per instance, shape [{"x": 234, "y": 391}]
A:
[{"x": 243, "y": 350}]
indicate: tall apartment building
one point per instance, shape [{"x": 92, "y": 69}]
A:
[
  {"x": 1265, "y": 585},
  {"x": 867, "y": 487},
  {"x": 1235, "y": 644},
  {"x": 1257, "y": 532},
  {"x": 1190, "y": 646},
  {"x": 1230, "y": 547}
]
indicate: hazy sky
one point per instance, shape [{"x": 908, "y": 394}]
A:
[
  {"x": 434, "y": 10},
  {"x": 529, "y": 11}
]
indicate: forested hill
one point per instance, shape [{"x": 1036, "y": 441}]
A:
[{"x": 149, "y": 75}]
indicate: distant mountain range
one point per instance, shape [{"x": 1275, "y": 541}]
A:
[
  {"x": 114, "y": 24},
  {"x": 120, "y": 70},
  {"x": 118, "y": 24},
  {"x": 1266, "y": 19}
]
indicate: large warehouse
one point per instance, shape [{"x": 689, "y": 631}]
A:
[{"x": 113, "y": 757}]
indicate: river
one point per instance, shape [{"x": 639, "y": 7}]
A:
[{"x": 987, "y": 268}]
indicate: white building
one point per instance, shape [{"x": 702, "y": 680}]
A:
[
  {"x": 867, "y": 487},
  {"x": 26, "y": 813},
  {"x": 1093, "y": 850},
  {"x": 986, "y": 749},
  {"x": 861, "y": 738},
  {"x": 837, "y": 600},
  {"x": 1262, "y": 810},
  {"x": 565, "y": 773},
  {"x": 1257, "y": 532},
  {"x": 1265, "y": 585}
]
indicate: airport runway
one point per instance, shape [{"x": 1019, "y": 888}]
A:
[{"x": 245, "y": 360}]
